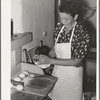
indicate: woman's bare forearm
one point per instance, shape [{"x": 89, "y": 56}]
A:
[{"x": 65, "y": 62}]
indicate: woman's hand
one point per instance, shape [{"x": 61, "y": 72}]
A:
[
  {"x": 42, "y": 59},
  {"x": 52, "y": 53}
]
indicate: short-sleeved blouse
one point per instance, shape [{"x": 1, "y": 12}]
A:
[{"x": 80, "y": 40}]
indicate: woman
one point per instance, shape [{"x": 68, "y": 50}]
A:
[{"x": 71, "y": 43}]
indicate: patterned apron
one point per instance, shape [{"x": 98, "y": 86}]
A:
[{"x": 69, "y": 84}]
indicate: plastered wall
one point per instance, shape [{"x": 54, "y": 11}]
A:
[
  {"x": 92, "y": 3},
  {"x": 34, "y": 16}
]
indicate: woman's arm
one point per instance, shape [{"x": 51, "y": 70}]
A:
[
  {"x": 66, "y": 62},
  {"x": 56, "y": 61}
]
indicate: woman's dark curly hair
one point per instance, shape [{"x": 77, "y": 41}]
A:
[{"x": 70, "y": 7}]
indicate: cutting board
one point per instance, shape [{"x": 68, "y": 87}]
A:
[
  {"x": 39, "y": 85},
  {"x": 17, "y": 95}
]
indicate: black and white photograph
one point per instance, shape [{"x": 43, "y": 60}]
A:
[{"x": 52, "y": 50}]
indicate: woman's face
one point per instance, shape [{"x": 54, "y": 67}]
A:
[{"x": 66, "y": 19}]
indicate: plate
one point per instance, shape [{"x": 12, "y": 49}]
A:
[{"x": 43, "y": 66}]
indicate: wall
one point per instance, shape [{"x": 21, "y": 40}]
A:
[
  {"x": 92, "y": 3},
  {"x": 34, "y": 16},
  {"x": 40, "y": 17},
  {"x": 16, "y": 15}
]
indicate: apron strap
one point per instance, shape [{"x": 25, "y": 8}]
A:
[
  {"x": 59, "y": 34},
  {"x": 62, "y": 30},
  {"x": 73, "y": 32}
]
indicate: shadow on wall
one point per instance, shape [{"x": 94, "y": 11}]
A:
[
  {"x": 92, "y": 32},
  {"x": 81, "y": 2}
]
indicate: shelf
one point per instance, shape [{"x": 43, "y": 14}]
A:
[
  {"x": 18, "y": 40},
  {"x": 91, "y": 54},
  {"x": 92, "y": 49}
]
